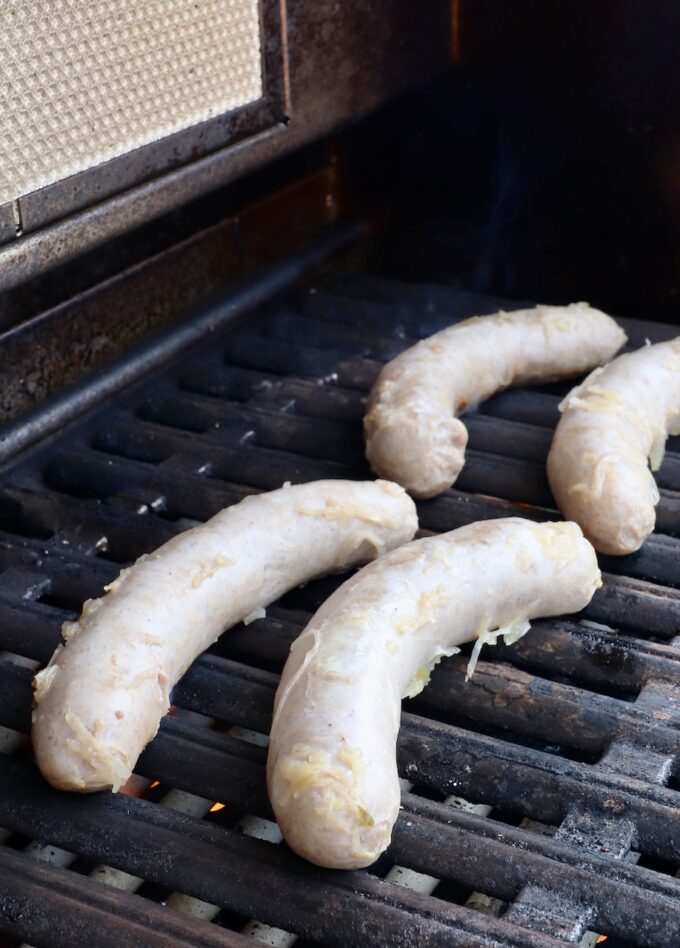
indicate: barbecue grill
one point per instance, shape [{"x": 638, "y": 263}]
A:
[{"x": 540, "y": 798}]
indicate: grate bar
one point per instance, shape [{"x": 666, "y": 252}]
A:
[
  {"x": 254, "y": 878},
  {"x": 484, "y": 767},
  {"x": 54, "y": 906},
  {"x": 450, "y": 852}
]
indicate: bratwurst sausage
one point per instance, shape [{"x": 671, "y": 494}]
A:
[
  {"x": 331, "y": 771},
  {"x": 610, "y": 426},
  {"x": 412, "y": 436},
  {"x": 102, "y": 696}
]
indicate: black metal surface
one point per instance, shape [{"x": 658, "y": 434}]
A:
[
  {"x": 211, "y": 319},
  {"x": 574, "y": 726}
]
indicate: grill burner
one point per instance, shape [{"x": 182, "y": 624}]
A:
[{"x": 574, "y": 726}]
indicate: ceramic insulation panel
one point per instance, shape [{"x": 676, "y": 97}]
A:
[{"x": 84, "y": 82}]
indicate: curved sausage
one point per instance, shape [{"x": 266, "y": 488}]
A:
[
  {"x": 610, "y": 426},
  {"x": 412, "y": 436},
  {"x": 102, "y": 696},
  {"x": 331, "y": 770}
]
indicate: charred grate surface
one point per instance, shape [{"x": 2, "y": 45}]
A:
[{"x": 540, "y": 799}]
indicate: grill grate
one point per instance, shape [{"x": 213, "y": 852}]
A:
[{"x": 575, "y": 726}]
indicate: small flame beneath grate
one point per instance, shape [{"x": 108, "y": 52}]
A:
[{"x": 135, "y": 786}]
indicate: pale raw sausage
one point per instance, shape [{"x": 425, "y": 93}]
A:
[
  {"x": 412, "y": 436},
  {"x": 611, "y": 425},
  {"x": 102, "y": 696},
  {"x": 331, "y": 771}
]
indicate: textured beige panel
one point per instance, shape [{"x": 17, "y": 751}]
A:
[{"x": 82, "y": 81}]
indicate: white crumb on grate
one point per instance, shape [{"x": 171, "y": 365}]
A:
[
  {"x": 460, "y": 803},
  {"x": 328, "y": 379},
  {"x": 86, "y": 82}
]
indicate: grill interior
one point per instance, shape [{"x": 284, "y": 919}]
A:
[{"x": 542, "y": 794}]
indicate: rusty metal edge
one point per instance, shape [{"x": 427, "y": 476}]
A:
[
  {"x": 33, "y": 254},
  {"x": 78, "y": 191},
  {"x": 8, "y": 223}
]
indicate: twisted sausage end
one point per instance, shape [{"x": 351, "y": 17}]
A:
[{"x": 317, "y": 806}]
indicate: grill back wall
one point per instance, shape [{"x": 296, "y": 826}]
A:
[
  {"x": 543, "y": 791},
  {"x": 573, "y": 109}
]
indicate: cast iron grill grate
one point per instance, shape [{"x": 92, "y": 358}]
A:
[{"x": 543, "y": 794}]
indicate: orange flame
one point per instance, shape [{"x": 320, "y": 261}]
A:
[
  {"x": 216, "y": 807},
  {"x": 134, "y": 786},
  {"x": 601, "y": 938},
  {"x": 154, "y": 784}
]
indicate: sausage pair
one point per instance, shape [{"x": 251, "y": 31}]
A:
[{"x": 612, "y": 424}]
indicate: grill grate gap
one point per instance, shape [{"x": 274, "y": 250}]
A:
[
  {"x": 674, "y": 783},
  {"x": 69, "y": 607},
  {"x": 656, "y": 864}
]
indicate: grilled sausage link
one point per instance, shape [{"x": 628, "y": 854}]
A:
[
  {"x": 102, "y": 696},
  {"x": 331, "y": 770},
  {"x": 412, "y": 436},
  {"x": 611, "y": 425}
]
